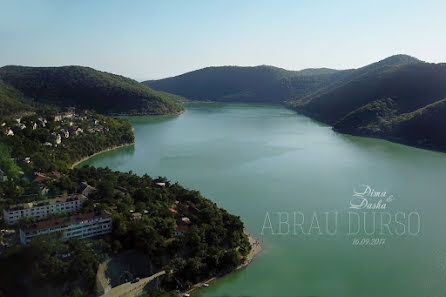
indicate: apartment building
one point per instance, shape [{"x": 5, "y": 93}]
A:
[
  {"x": 42, "y": 209},
  {"x": 82, "y": 226}
]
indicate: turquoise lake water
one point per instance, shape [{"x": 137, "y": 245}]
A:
[{"x": 266, "y": 163}]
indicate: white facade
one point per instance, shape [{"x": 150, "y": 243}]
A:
[
  {"x": 82, "y": 226},
  {"x": 41, "y": 209}
]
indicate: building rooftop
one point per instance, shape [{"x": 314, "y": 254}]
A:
[
  {"x": 65, "y": 221},
  {"x": 28, "y": 205}
]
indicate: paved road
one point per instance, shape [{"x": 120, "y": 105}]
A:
[{"x": 129, "y": 289}]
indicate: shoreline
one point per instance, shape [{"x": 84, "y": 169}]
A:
[
  {"x": 391, "y": 139},
  {"x": 176, "y": 113},
  {"x": 100, "y": 152},
  {"x": 256, "y": 249}
]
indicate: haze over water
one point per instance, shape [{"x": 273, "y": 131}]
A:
[{"x": 253, "y": 160}]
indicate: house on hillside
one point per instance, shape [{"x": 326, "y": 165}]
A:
[
  {"x": 86, "y": 189},
  {"x": 42, "y": 122},
  {"x": 39, "y": 177},
  {"x": 136, "y": 216}
]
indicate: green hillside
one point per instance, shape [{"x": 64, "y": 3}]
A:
[
  {"x": 85, "y": 87},
  {"x": 410, "y": 86},
  {"x": 264, "y": 83},
  {"x": 423, "y": 127},
  {"x": 402, "y": 103},
  {"x": 244, "y": 84},
  {"x": 11, "y": 101}
]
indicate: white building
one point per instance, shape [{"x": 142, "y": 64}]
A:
[
  {"x": 82, "y": 226},
  {"x": 41, "y": 209}
]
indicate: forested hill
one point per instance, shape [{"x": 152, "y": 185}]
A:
[
  {"x": 12, "y": 101},
  {"x": 384, "y": 102},
  {"x": 84, "y": 87},
  {"x": 244, "y": 84},
  {"x": 264, "y": 83}
]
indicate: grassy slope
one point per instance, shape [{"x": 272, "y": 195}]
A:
[{"x": 88, "y": 88}]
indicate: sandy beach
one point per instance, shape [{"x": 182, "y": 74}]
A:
[{"x": 100, "y": 152}]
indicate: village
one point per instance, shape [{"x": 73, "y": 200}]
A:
[
  {"x": 63, "y": 216},
  {"x": 60, "y": 126}
]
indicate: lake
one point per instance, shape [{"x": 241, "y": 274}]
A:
[{"x": 339, "y": 216}]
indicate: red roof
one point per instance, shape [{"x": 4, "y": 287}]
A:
[
  {"x": 173, "y": 211},
  {"x": 39, "y": 178}
]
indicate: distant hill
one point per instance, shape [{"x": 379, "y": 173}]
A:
[
  {"x": 399, "y": 98},
  {"x": 263, "y": 83},
  {"x": 87, "y": 88},
  {"x": 244, "y": 84},
  {"x": 403, "y": 103}
]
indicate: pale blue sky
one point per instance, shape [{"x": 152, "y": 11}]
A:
[{"x": 155, "y": 39}]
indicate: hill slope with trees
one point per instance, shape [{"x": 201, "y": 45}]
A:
[
  {"x": 266, "y": 84},
  {"x": 12, "y": 101},
  {"x": 87, "y": 88}
]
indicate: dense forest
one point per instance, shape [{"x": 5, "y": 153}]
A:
[
  {"x": 266, "y": 84},
  {"x": 12, "y": 101},
  {"x": 83, "y": 87},
  {"x": 393, "y": 98}
]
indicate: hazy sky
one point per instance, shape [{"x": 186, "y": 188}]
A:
[{"x": 155, "y": 39}]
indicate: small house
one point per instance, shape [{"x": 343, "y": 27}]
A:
[
  {"x": 136, "y": 216},
  {"x": 86, "y": 189},
  {"x": 39, "y": 177}
]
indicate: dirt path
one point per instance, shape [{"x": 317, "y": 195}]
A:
[
  {"x": 129, "y": 289},
  {"x": 103, "y": 283}
]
